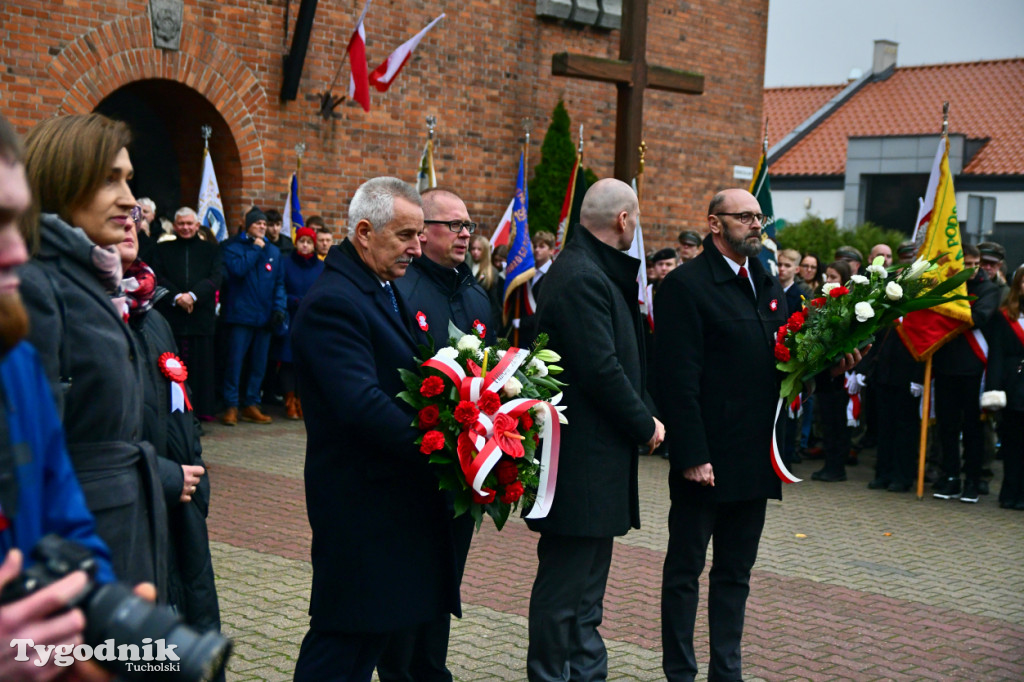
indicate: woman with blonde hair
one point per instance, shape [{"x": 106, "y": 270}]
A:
[
  {"x": 78, "y": 169},
  {"x": 486, "y": 273}
]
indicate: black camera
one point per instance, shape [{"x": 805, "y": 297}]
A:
[{"x": 127, "y": 635}]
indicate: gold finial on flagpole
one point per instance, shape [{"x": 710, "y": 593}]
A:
[
  {"x": 527, "y": 127},
  {"x": 431, "y": 122},
  {"x": 764, "y": 143},
  {"x": 300, "y": 149},
  {"x": 207, "y": 133},
  {"x": 640, "y": 170},
  {"x": 945, "y": 118},
  {"x": 579, "y": 149}
]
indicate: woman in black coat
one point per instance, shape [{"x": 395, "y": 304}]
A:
[
  {"x": 78, "y": 168},
  {"x": 1004, "y": 373}
]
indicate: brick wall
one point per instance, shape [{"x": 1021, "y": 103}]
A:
[{"x": 481, "y": 71}]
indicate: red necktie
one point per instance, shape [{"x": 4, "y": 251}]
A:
[{"x": 742, "y": 273}]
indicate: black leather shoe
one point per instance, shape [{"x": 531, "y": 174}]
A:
[
  {"x": 878, "y": 484},
  {"x": 828, "y": 476},
  {"x": 898, "y": 487}
]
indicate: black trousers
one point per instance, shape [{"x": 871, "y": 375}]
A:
[
  {"x": 958, "y": 409},
  {"x": 898, "y": 434},
  {"x": 832, "y": 408},
  {"x": 1011, "y": 431},
  {"x": 735, "y": 528},
  {"x": 566, "y": 607},
  {"x": 338, "y": 656},
  {"x": 420, "y": 654}
]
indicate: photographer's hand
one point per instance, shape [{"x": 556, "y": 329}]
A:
[{"x": 41, "y": 618}]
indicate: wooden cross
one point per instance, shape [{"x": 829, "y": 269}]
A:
[{"x": 631, "y": 75}]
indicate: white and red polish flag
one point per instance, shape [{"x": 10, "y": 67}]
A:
[
  {"x": 504, "y": 228},
  {"x": 384, "y": 75},
  {"x": 359, "y": 81}
]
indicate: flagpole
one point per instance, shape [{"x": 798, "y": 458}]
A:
[
  {"x": 926, "y": 401},
  {"x": 640, "y": 171},
  {"x": 926, "y": 410},
  {"x": 527, "y": 126},
  {"x": 207, "y": 133},
  {"x": 300, "y": 149}
]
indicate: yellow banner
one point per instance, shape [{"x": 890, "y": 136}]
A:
[{"x": 942, "y": 241}]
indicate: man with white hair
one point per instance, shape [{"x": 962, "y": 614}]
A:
[
  {"x": 190, "y": 269},
  {"x": 383, "y": 554},
  {"x": 146, "y": 239}
]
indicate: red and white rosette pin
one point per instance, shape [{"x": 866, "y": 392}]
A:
[{"x": 174, "y": 369}]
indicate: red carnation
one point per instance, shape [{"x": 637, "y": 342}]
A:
[
  {"x": 838, "y": 291},
  {"x": 483, "y": 499},
  {"x": 513, "y": 491},
  {"x": 429, "y": 416},
  {"x": 781, "y": 352},
  {"x": 466, "y": 413},
  {"x": 780, "y": 335},
  {"x": 431, "y": 386},
  {"x": 526, "y": 421},
  {"x": 819, "y": 302},
  {"x": 796, "y": 321},
  {"x": 432, "y": 440},
  {"x": 506, "y": 471},
  {"x": 489, "y": 402}
]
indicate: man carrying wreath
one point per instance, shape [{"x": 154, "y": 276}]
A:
[{"x": 383, "y": 556}]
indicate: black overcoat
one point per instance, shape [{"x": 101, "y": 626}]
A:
[
  {"x": 589, "y": 310},
  {"x": 444, "y": 294},
  {"x": 183, "y": 265},
  {"x": 383, "y": 556},
  {"x": 94, "y": 365},
  {"x": 717, "y": 384}
]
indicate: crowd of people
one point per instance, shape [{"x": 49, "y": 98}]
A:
[{"x": 121, "y": 339}]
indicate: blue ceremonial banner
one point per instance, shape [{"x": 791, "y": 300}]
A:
[
  {"x": 211, "y": 209},
  {"x": 291, "y": 216},
  {"x": 519, "y": 269}
]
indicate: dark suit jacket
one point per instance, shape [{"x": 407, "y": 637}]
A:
[
  {"x": 956, "y": 357},
  {"x": 446, "y": 294},
  {"x": 717, "y": 383},
  {"x": 588, "y": 307},
  {"x": 183, "y": 265},
  {"x": 1005, "y": 357},
  {"x": 383, "y": 557}
]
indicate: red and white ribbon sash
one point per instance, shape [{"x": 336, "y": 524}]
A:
[
  {"x": 1016, "y": 326},
  {"x": 976, "y": 340},
  {"x": 780, "y": 469},
  {"x": 853, "y": 384},
  {"x": 796, "y": 408},
  {"x": 476, "y": 468},
  {"x": 174, "y": 369}
]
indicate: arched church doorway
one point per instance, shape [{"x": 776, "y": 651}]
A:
[{"x": 166, "y": 119}]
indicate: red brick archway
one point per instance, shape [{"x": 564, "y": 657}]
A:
[{"x": 121, "y": 52}]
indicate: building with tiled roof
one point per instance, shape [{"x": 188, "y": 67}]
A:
[{"x": 862, "y": 151}]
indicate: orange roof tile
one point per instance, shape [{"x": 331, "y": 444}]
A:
[
  {"x": 786, "y": 108},
  {"x": 985, "y": 100}
]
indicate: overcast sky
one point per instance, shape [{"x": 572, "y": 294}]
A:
[{"x": 818, "y": 42}]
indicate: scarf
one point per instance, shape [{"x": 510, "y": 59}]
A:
[{"x": 139, "y": 284}]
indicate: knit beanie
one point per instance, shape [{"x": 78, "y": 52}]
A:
[{"x": 253, "y": 216}]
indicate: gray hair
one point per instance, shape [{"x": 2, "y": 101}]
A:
[
  {"x": 147, "y": 203},
  {"x": 374, "y": 201},
  {"x": 184, "y": 210}
]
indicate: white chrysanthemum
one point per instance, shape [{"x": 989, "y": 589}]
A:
[
  {"x": 827, "y": 287},
  {"x": 448, "y": 352},
  {"x": 863, "y": 311},
  {"x": 469, "y": 342},
  {"x": 893, "y": 291},
  {"x": 859, "y": 279},
  {"x": 512, "y": 388},
  {"x": 879, "y": 270}
]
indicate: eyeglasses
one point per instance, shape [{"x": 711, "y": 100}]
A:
[
  {"x": 455, "y": 225},
  {"x": 136, "y": 214},
  {"x": 808, "y": 267},
  {"x": 746, "y": 218}
]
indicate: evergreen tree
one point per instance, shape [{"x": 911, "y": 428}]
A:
[{"x": 551, "y": 175}]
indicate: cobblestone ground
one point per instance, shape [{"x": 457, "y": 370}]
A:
[{"x": 850, "y": 584}]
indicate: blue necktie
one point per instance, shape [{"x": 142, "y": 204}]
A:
[{"x": 391, "y": 294}]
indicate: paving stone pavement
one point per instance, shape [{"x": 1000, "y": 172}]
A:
[{"x": 850, "y": 584}]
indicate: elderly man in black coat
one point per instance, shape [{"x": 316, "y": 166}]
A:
[
  {"x": 439, "y": 288},
  {"x": 717, "y": 391},
  {"x": 588, "y": 307},
  {"x": 383, "y": 556}
]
